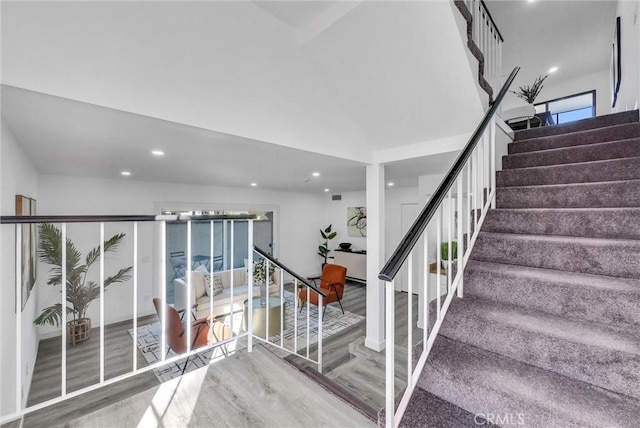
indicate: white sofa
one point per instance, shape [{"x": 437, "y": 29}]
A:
[{"x": 222, "y": 303}]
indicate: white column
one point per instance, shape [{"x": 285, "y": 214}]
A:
[{"x": 375, "y": 257}]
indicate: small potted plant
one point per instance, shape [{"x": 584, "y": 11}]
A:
[
  {"x": 81, "y": 291},
  {"x": 530, "y": 93},
  {"x": 260, "y": 278},
  {"x": 323, "y": 249},
  {"x": 444, "y": 254}
]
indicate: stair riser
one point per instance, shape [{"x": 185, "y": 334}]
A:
[
  {"x": 560, "y": 298},
  {"x": 593, "y": 152},
  {"x": 611, "y": 369},
  {"x": 582, "y": 125},
  {"x": 620, "y": 132},
  {"x": 592, "y": 195},
  {"x": 588, "y": 172},
  {"x": 597, "y": 223},
  {"x": 483, "y": 383},
  {"x": 609, "y": 258}
]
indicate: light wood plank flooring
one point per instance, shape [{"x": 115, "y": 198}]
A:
[
  {"x": 347, "y": 362},
  {"x": 244, "y": 390}
]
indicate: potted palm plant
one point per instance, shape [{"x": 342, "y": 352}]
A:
[{"x": 80, "y": 290}]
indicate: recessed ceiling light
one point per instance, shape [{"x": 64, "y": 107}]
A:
[
  {"x": 316, "y": 174},
  {"x": 553, "y": 69},
  {"x": 254, "y": 184},
  {"x": 125, "y": 173},
  {"x": 157, "y": 152},
  {"x": 530, "y": 1},
  {"x": 326, "y": 190},
  {"x": 391, "y": 184}
]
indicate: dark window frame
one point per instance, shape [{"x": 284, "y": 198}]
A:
[{"x": 555, "y": 116}]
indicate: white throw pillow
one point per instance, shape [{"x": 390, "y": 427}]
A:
[{"x": 197, "y": 284}]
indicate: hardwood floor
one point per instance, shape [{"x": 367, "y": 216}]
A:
[
  {"x": 83, "y": 370},
  {"x": 357, "y": 369},
  {"x": 346, "y": 361}
]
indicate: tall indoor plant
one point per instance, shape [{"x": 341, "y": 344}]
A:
[{"x": 80, "y": 290}]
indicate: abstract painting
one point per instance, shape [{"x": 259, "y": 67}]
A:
[{"x": 357, "y": 221}]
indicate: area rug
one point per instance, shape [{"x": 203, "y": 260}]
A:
[{"x": 334, "y": 321}]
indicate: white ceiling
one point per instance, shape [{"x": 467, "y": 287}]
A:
[
  {"x": 297, "y": 14},
  {"x": 65, "y": 137},
  {"x": 574, "y": 36}
]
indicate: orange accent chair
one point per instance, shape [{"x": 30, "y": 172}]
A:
[
  {"x": 331, "y": 283},
  {"x": 202, "y": 332}
]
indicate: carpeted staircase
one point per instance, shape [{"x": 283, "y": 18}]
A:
[{"x": 548, "y": 333}]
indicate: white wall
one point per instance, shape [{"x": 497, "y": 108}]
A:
[
  {"x": 629, "y": 95},
  {"x": 555, "y": 87},
  {"x": 18, "y": 177},
  {"x": 298, "y": 217}
]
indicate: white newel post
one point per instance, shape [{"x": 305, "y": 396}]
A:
[{"x": 375, "y": 257}]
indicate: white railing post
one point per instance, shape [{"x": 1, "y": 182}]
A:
[
  {"x": 319, "y": 331},
  {"x": 409, "y": 317},
  {"x": 460, "y": 238},
  {"x": 232, "y": 279},
  {"x": 250, "y": 285},
  {"x": 187, "y": 309},
  {"x": 101, "y": 302},
  {"x": 492, "y": 159},
  {"x": 163, "y": 288},
  {"x": 63, "y": 284},
  {"x": 389, "y": 356},
  {"x": 296, "y": 301},
  {"x": 135, "y": 296},
  {"x": 18, "y": 319},
  {"x": 425, "y": 302}
]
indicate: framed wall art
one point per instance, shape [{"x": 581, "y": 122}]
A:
[{"x": 26, "y": 206}]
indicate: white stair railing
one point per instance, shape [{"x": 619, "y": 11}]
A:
[
  {"x": 487, "y": 38},
  {"x": 95, "y": 226},
  {"x": 456, "y": 210},
  {"x": 296, "y": 339}
]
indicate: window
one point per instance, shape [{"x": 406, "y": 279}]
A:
[{"x": 568, "y": 109}]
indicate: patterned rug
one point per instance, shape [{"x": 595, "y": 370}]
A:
[{"x": 333, "y": 322}]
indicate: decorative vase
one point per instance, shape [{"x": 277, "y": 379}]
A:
[{"x": 445, "y": 263}]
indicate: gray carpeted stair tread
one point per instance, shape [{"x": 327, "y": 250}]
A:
[
  {"x": 581, "y": 172},
  {"x": 614, "y": 223},
  {"x": 608, "y": 194},
  {"x": 589, "y": 136},
  {"x": 566, "y": 155},
  {"x": 425, "y": 410},
  {"x": 584, "y": 351},
  {"x": 483, "y": 382},
  {"x": 579, "y": 125},
  {"x": 593, "y": 298},
  {"x": 597, "y": 256}
]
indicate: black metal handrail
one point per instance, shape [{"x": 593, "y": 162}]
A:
[
  {"x": 393, "y": 265},
  {"x": 289, "y": 271},
  {"x": 117, "y": 218},
  {"x": 491, "y": 19}
]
